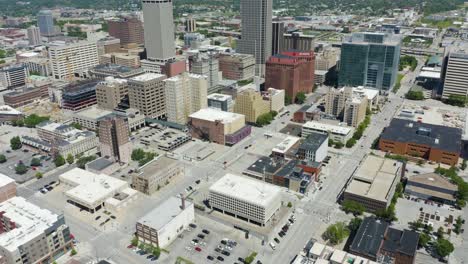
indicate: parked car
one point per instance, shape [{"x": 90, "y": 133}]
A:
[
  {"x": 193, "y": 225},
  {"x": 97, "y": 217},
  {"x": 220, "y": 258},
  {"x": 201, "y": 236},
  {"x": 206, "y": 231},
  {"x": 225, "y": 253},
  {"x": 210, "y": 257},
  {"x": 198, "y": 249}
]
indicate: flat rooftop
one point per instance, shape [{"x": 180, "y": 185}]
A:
[
  {"x": 157, "y": 166},
  {"x": 93, "y": 113},
  {"x": 341, "y": 130},
  {"x": 422, "y": 183},
  {"x": 286, "y": 144},
  {"x": 246, "y": 189},
  {"x": 219, "y": 97},
  {"x": 147, "y": 77},
  {"x": 4, "y": 180},
  {"x": 212, "y": 114},
  {"x": 374, "y": 178},
  {"x": 160, "y": 216}
]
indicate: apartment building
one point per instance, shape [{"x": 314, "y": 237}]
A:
[
  {"x": 25, "y": 95},
  {"x": 68, "y": 58},
  {"x": 110, "y": 92},
  {"x": 34, "y": 36},
  {"x": 185, "y": 94},
  {"x": 146, "y": 93},
  {"x": 30, "y": 234},
  {"x": 206, "y": 64},
  {"x": 346, "y": 105},
  {"x": 236, "y": 66},
  {"x": 13, "y": 76}
]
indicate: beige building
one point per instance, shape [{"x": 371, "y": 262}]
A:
[
  {"x": 156, "y": 175},
  {"x": 185, "y": 94},
  {"x": 250, "y": 103},
  {"x": 355, "y": 111},
  {"x": 110, "y": 92},
  {"x": 275, "y": 98},
  {"x": 131, "y": 61},
  {"x": 374, "y": 182},
  {"x": 146, "y": 93},
  {"x": 7, "y": 188},
  {"x": 346, "y": 105},
  {"x": 235, "y": 66}
]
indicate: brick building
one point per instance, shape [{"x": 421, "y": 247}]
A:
[
  {"x": 128, "y": 30},
  {"x": 25, "y": 95}
]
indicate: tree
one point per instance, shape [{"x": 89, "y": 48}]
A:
[
  {"x": 415, "y": 95},
  {"x": 350, "y": 143},
  {"x": 156, "y": 252},
  {"x": 300, "y": 97},
  {"x": 456, "y": 100},
  {"x": 265, "y": 119},
  {"x": 287, "y": 100},
  {"x": 21, "y": 168},
  {"x": 331, "y": 142},
  {"x": 76, "y": 125},
  {"x": 134, "y": 241},
  {"x": 416, "y": 225},
  {"x": 138, "y": 154},
  {"x": 3, "y": 159},
  {"x": 440, "y": 232},
  {"x": 15, "y": 143},
  {"x": 336, "y": 233},
  {"x": 35, "y": 162},
  {"x": 33, "y": 120},
  {"x": 353, "y": 207},
  {"x": 59, "y": 161},
  {"x": 339, "y": 145},
  {"x": 289, "y": 204},
  {"x": 458, "y": 225},
  {"x": 73, "y": 252},
  {"x": 443, "y": 247},
  {"x": 354, "y": 224},
  {"x": 423, "y": 239},
  {"x": 463, "y": 165},
  {"x": 39, "y": 175},
  {"x": 70, "y": 158},
  {"x": 81, "y": 162}
]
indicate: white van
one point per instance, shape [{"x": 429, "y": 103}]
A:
[{"x": 272, "y": 245}]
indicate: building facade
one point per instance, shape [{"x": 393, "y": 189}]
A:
[
  {"x": 156, "y": 175},
  {"x": 66, "y": 59},
  {"x": 222, "y": 102},
  {"x": 235, "y": 66},
  {"x": 335, "y": 132},
  {"x": 277, "y": 37},
  {"x": 250, "y": 103},
  {"x": 127, "y": 29},
  {"x": 456, "y": 79},
  {"x": 298, "y": 41},
  {"x": 110, "y": 92},
  {"x": 146, "y": 93},
  {"x": 26, "y": 95},
  {"x": 114, "y": 139},
  {"x": 159, "y": 34},
  {"x": 13, "y": 76},
  {"x": 45, "y": 22},
  {"x": 34, "y": 36},
  {"x": 7, "y": 188}
]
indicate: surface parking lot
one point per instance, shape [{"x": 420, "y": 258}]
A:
[{"x": 25, "y": 156}]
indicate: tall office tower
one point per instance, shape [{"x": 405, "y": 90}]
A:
[
  {"x": 256, "y": 31},
  {"x": 370, "y": 59},
  {"x": 146, "y": 93},
  {"x": 185, "y": 94},
  {"x": 235, "y": 66},
  {"x": 110, "y": 92},
  {"x": 34, "y": 36},
  {"x": 207, "y": 64},
  {"x": 113, "y": 139},
  {"x": 298, "y": 41},
  {"x": 190, "y": 24},
  {"x": 45, "y": 21},
  {"x": 127, "y": 29},
  {"x": 277, "y": 37},
  {"x": 30, "y": 234},
  {"x": 13, "y": 76},
  {"x": 159, "y": 32},
  {"x": 456, "y": 75},
  {"x": 291, "y": 71},
  {"x": 66, "y": 59}
]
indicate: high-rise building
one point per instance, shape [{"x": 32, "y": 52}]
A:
[
  {"x": 456, "y": 75},
  {"x": 291, "y": 71},
  {"x": 206, "y": 64},
  {"x": 370, "y": 59},
  {"x": 30, "y": 234},
  {"x": 346, "y": 105},
  {"x": 146, "y": 93},
  {"x": 127, "y": 29},
  {"x": 190, "y": 24},
  {"x": 13, "y": 76},
  {"x": 159, "y": 32},
  {"x": 185, "y": 94},
  {"x": 256, "y": 36},
  {"x": 45, "y": 21},
  {"x": 110, "y": 92},
  {"x": 113, "y": 139},
  {"x": 34, "y": 36},
  {"x": 236, "y": 66},
  {"x": 277, "y": 37},
  {"x": 298, "y": 41},
  {"x": 66, "y": 59}
]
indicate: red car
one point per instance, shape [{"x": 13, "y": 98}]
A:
[
  {"x": 130, "y": 246},
  {"x": 198, "y": 249}
]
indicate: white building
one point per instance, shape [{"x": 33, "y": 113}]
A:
[
  {"x": 31, "y": 234},
  {"x": 13, "y": 76},
  {"x": 159, "y": 32},
  {"x": 66, "y": 59},
  {"x": 246, "y": 199},
  {"x": 335, "y": 132},
  {"x": 164, "y": 223},
  {"x": 92, "y": 192},
  {"x": 456, "y": 77},
  {"x": 185, "y": 94}
]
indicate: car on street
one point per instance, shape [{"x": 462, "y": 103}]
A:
[
  {"x": 201, "y": 236},
  {"x": 150, "y": 256},
  {"x": 225, "y": 253},
  {"x": 97, "y": 217},
  {"x": 276, "y": 240},
  {"x": 220, "y": 258},
  {"x": 241, "y": 259},
  {"x": 43, "y": 190},
  {"x": 193, "y": 225},
  {"x": 130, "y": 246},
  {"x": 206, "y": 231},
  {"x": 198, "y": 249},
  {"x": 210, "y": 257}
]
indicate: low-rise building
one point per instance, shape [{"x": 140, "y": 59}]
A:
[
  {"x": 218, "y": 126},
  {"x": 7, "y": 188},
  {"x": 163, "y": 224},
  {"x": 432, "y": 142},
  {"x": 25, "y": 95},
  {"x": 8, "y": 114},
  {"x": 90, "y": 117},
  {"x": 79, "y": 95},
  {"x": 335, "y": 132},
  {"x": 431, "y": 186},
  {"x": 13, "y": 76},
  {"x": 92, "y": 192},
  {"x": 222, "y": 102},
  {"x": 320, "y": 253},
  {"x": 374, "y": 182},
  {"x": 156, "y": 175},
  {"x": 286, "y": 148},
  {"x": 30, "y": 234},
  {"x": 313, "y": 148},
  {"x": 127, "y": 60},
  {"x": 246, "y": 199},
  {"x": 250, "y": 103},
  {"x": 102, "y": 71}
]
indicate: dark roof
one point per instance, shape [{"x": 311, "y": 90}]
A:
[
  {"x": 439, "y": 137},
  {"x": 287, "y": 169},
  {"x": 304, "y": 108},
  {"x": 368, "y": 237},
  {"x": 99, "y": 164},
  {"x": 405, "y": 242},
  {"x": 313, "y": 141},
  {"x": 266, "y": 163}
]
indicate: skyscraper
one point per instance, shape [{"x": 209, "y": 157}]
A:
[
  {"x": 34, "y": 36},
  {"x": 159, "y": 30},
  {"x": 277, "y": 37},
  {"x": 45, "y": 21},
  {"x": 190, "y": 24},
  {"x": 146, "y": 93},
  {"x": 370, "y": 59},
  {"x": 456, "y": 75},
  {"x": 256, "y": 30},
  {"x": 113, "y": 139}
]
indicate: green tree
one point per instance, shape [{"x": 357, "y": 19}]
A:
[
  {"x": 463, "y": 165},
  {"x": 265, "y": 119},
  {"x": 289, "y": 204},
  {"x": 443, "y": 247},
  {"x": 331, "y": 142},
  {"x": 35, "y": 162},
  {"x": 39, "y": 175},
  {"x": 415, "y": 95},
  {"x": 138, "y": 154},
  {"x": 59, "y": 161},
  {"x": 336, "y": 233},
  {"x": 33, "y": 120},
  {"x": 339, "y": 145},
  {"x": 353, "y": 207},
  {"x": 423, "y": 240},
  {"x": 73, "y": 252},
  {"x": 21, "y": 168},
  {"x": 134, "y": 241},
  {"x": 440, "y": 232},
  {"x": 156, "y": 252},
  {"x": 350, "y": 143},
  {"x": 81, "y": 162},
  {"x": 416, "y": 225},
  {"x": 287, "y": 100},
  {"x": 300, "y": 97},
  {"x": 458, "y": 225},
  {"x": 15, "y": 143},
  {"x": 76, "y": 125},
  {"x": 456, "y": 100},
  {"x": 354, "y": 224},
  {"x": 3, "y": 158},
  {"x": 70, "y": 158}
]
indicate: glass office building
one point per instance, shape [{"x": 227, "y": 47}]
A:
[{"x": 370, "y": 59}]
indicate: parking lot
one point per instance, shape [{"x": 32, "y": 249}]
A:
[{"x": 15, "y": 157}]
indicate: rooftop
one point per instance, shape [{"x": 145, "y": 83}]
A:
[
  {"x": 212, "y": 114},
  {"x": 264, "y": 164},
  {"x": 375, "y": 178},
  {"x": 4, "y": 180},
  {"x": 93, "y": 113},
  {"x": 342, "y": 130},
  {"x": 160, "y": 216},
  {"x": 8, "y": 110},
  {"x": 99, "y": 164},
  {"x": 219, "y": 97},
  {"x": 369, "y": 237},
  {"x": 147, "y": 77},
  {"x": 286, "y": 144},
  {"x": 157, "y": 166},
  {"x": 246, "y": 189},
  {"x": 313, "y": 141},
  {"x": 422, "y": 183},
  {"x": 405, "y": 241},
  {"x": 434, "y": 136}
]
